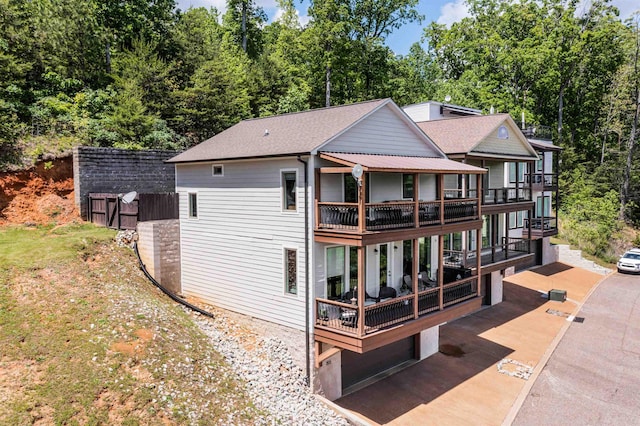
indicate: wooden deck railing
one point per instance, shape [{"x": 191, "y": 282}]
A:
[
  {"x": 395, "y": 215},
  {"x": 343, "y": 317}
]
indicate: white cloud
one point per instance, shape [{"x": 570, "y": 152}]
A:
[
  {"x": 453, "y": 12},
  {"x": 302, "y": 20}
]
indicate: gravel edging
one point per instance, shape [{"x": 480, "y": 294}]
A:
[{"x": 273, "y": 380}]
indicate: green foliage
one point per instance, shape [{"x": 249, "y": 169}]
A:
[{"x": 589, "y": 215}]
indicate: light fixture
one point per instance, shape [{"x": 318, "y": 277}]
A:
[
  {"x": 395, "y": 247},
  {"x": 375, "y": 250}
]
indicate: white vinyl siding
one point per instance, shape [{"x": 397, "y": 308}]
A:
[
  {"x": 232, "y": 256},
  {"x": 516, "y": 145},
  {"x": 384, "y": 132}
]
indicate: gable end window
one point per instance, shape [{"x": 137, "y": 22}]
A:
[
  {"x": 193, "y": 205},
  {"x": 503, "y": 132},
  {"x": 289, "y": 191},
  {"x": 217, "y": 170},
  {"x": 291, "y": 271}
]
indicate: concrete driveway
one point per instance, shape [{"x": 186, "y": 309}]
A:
[
  {"x": 485, "y": 358},
  {"x": 593, "y": 377}
]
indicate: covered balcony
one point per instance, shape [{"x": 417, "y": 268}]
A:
[
  {"x": 389, "y": 291},
  {"x": 393, "y": 194}
]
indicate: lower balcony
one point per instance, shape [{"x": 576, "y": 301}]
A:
[
  {"x": 362, "y": 327},
  {"x": 541, "y": 227}
]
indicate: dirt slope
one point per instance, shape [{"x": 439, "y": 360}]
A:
[{"x": 40, "y": 195}]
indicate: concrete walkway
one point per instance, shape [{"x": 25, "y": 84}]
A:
[
  {"x": 592, "y": 377},
  {"x": 487, "y": 361}
]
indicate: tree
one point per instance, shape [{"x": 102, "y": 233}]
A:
[{"x": 242, "y": 25}]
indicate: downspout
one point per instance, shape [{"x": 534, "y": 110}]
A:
[{"x": 307, "y": 331}]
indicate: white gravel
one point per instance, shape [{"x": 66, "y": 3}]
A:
[{"x": 274, "y": 381}]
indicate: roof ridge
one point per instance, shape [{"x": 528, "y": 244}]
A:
[{"x": 286, "y": 114}]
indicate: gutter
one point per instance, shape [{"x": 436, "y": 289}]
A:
[{"x": 307, "y": 326}]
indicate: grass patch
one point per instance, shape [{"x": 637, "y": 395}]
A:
[
  {"x": 87, "y": 340},
  {"x": 39, "y": 247}
]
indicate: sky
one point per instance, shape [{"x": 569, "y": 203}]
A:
[{"x": 440, "y": 11}]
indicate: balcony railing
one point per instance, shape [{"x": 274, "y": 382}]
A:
[
  {"x": 395, "y": 215},
  {"x": 509, "y": 249},
  {"x": 503, "y": 195},
  {"x": 545, "y": 224},
  {"x": 343, "y": 317},
  {"x": 543, "y": 179}
]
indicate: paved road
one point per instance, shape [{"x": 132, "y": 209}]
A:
[{"x": 593, "y": 377}]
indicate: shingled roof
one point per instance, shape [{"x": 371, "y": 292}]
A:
[
  {"x": 461, "y": 135},
  {"x": 287, "y": 134}
]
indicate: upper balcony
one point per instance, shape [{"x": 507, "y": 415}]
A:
[
  {"x": 543, "y": 181},
  {"x": 394, "y": 197}
]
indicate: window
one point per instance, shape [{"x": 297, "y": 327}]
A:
[
  {"x": 516, "y": 172},
  {"x": 291, "y": 271},
  {"x": 539, "y": 165},
  {"x": 512, "y": 220},
  {"x": 520, "y": 219},
  {"x": 350, "y": 189},
  {"x": 407, "y": 186},
  {"x": 289, "y": 191},
  {"x": 543, "y": 207},
  {"x": 503, "y": 133},
  {"x": 336, "y": 272},
  {"x": 217, "y": 170},
  {"x": 193, "y": 204}
]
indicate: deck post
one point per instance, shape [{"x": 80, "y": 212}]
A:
[
  {"x": 441, "y": 270},
  {"x": 416, "y": 200},
  {"x": 361, "y": 289},
  {"x": 317, "y": 198},
  {"x": 362, "y": 220},
  {"x": 441, "y": 196},
  {"x": 479, "y": 259},
  {"x": 414, "y": 274}
]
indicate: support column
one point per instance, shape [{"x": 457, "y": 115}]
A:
[
  {"x": 361, "y": 289},
  {"x": 415, "y": 266},
  {"x": 416, "y": 200},
  {"x": 479, "y": 259},
  {"x": 441, "y": 270},
  {"x": 429, "y": 342},
  {"x": 441, "y": 196},
  {"x": 362, "y": 219}
]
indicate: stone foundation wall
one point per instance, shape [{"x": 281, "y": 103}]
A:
[{"x": 159, "y": 247}]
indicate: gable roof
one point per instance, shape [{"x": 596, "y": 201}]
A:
[
  {"x": 462, "y": 135},
  {"x": 287, "y": 134}
]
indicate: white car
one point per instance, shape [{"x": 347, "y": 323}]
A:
[{"x": 630, "y": 261}]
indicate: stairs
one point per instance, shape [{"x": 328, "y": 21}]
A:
[{"x": 574, "y": 258}]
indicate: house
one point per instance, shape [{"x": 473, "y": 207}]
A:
[
  {"x": 351, "y": 224},
  {"x": 515, "y": 176}
]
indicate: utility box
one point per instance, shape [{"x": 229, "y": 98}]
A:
[{"x": 558, "y": 295}]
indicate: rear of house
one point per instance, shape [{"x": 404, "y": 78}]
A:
[{"x": 349, "y": 225}]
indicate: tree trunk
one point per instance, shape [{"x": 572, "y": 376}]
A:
[
  {"x": 327, "y": 100},
  {"x": 244, "y": 26}
]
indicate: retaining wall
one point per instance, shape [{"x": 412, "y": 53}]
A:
[
  {"x": 159, "y": 248},
  {"x": 113, "y": 170}
]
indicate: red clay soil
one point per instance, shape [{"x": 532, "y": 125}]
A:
[{"x": 39, "y": 196}]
